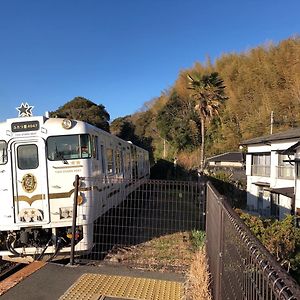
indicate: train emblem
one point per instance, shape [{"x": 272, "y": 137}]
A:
[{"x": 29, "y": 183}]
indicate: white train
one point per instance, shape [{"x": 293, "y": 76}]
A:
[{"x": 39, "y": 159}]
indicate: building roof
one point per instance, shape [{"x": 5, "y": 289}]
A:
[
  {"x": 291, "y": 149},
  {"x": 229, "y": 157},
  {"x": 287, "y": 191},
  {"x": 262, "y": 183},
  {"x": 289, "y": 134}
]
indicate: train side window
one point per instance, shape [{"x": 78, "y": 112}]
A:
[
  {"x": 110, "y": 161},
  {"x": 85, "y": 146},
  {"x": 95, "y": 147},
  {"x": 3, "y": 152},
  {"x": 118, "y": 161},
  {"x": 102, "y": 159},
  {"x": 134, "y": 163},
  {"x": 127, "y": 162},
  {"x": 27, "y": 157}
]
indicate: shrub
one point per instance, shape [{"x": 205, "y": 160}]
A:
[
  {"x": 281, "y": 239},
  {"x": 197, "y": 238}
]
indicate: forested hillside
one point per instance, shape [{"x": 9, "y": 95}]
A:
[
  {"x": 225, "y": 102},
  {"x": 257, "y": 82}
]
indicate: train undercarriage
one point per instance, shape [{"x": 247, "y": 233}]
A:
[{"x": 36, "y": 243}]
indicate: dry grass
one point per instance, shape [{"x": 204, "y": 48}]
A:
[
  {"x": 189, "y": 160},
  {"x": 197, "y": 284},
  {"x": 173, "y": 252}
]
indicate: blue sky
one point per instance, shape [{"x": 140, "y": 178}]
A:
[{"x": 122, "y": 53}]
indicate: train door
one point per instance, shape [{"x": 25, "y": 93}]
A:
[{"x": 30, "y": 185}]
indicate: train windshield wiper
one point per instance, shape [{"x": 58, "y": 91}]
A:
[{"x": 60, "y": 155}]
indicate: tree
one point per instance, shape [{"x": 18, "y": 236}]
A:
[
  {"x": 123, "y": 128},
  {"x": 85, "y": 110},
  {"x": 178, "y": 123},
  {"x": 208, "y": 92}
]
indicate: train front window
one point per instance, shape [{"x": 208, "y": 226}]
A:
[
  {"x": 67, "y": 147},
  {"x": 28, "y": 157},
  {"x": 3, "y": 152}
]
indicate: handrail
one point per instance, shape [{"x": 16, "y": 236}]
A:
[{"x": 76, "y": 185}]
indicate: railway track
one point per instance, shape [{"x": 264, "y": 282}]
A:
[
  {"x": 9, "y": 268},
  {"x": 11, "y": 273}
]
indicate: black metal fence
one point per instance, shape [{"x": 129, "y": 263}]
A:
[
  {"x": 143, "y": 214},
  {"x": 241, "y": 268},
  {"x": 138, "y": 212}
]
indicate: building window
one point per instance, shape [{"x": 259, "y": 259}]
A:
[
  {"x": 285, "y": 169},
  {"x": 261, "y": 164},
  {"x": 275, "y": 205},
  {"x": 298, "y": 170}
]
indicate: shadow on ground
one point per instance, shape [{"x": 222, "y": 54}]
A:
[{"x": 165, "y": 170}]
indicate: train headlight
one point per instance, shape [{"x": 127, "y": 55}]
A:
[
  {"x": 66, "y": 212},
  {"x": 79, "y": 200},
  {"x": 66, "y": 124}
]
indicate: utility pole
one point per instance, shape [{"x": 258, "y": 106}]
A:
[
  {"x": 272, "y": 122},
  {"x": 164, "y": 142}
]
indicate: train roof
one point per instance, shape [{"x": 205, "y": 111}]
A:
[{"x": 29, "y": 126}]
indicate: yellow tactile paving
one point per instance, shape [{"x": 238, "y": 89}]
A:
[{"x": 97, "y": 286}]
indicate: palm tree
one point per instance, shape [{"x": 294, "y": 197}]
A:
[{"x": 208, "y": 92}]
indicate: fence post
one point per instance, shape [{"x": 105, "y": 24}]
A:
[
  {"x": 202, "y": 200},
  {"x": 220, "y": 250},
  {"x": 76, "y": 184}
]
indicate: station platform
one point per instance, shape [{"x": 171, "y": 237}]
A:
[{"x": 99, "y": 282}]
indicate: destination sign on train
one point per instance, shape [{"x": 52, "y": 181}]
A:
[{"x": 25, "y": 126}]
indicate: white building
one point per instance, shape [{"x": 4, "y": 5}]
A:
[{"x": 270, "y": 168}]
